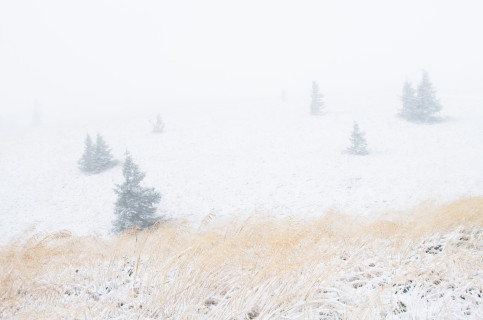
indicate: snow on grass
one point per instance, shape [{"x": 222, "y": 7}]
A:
[{"x": 426, "y": 263}]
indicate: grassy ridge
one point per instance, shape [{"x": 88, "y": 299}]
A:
[{"x": 426, "y": 263}]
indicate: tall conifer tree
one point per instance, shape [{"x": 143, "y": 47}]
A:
[
  {"x": 103, "y": 158},
  {"x": 427, "y": 104},
  {"x": 135, "y": 205}
]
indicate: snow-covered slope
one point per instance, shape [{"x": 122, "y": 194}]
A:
[{"x": 236, "y": 159}]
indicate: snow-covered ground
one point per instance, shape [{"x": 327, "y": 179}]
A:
[{"x": 239, "y": 158}]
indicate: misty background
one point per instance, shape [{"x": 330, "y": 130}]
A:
[
  {"x": 98, "y": 55},
  {"x": 215, "y": 71}
]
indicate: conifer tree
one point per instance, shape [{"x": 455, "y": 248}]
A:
[
  {"x": 102, "y": 158},
  {"x": 158, "y": 126},
  {"x": 87, "y": 159},
  {"x": 135, "y": 205},
  {"x": 428, "y": 105},
  {"x": 316, "y": 103},
  {"x": 358, "y": 141},
  {"x": 422, "y": 105},
  {"x": 409, "y": 102}
]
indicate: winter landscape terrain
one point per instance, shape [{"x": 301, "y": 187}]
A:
[
  {"x": 259, "y": 191},
  {"x": 241, "y": 159},
  {"x": 270, "y": 158}
]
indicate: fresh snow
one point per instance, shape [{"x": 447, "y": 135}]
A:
[{"x": 233, "y": 160}]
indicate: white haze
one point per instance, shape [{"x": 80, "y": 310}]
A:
[{"x": 110, "y": 55}]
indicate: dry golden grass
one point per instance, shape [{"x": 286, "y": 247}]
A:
[{"x": 427, "y": 263}]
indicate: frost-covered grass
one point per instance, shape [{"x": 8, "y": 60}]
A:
[{"x": 427, "y": 264}]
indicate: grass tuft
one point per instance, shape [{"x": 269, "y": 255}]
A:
[{"x": 424, "y": 263}]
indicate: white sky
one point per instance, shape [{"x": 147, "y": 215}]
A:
[{"x": 99, "y": 53}]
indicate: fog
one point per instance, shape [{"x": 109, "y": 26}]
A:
[
  {"x": 258, "y": 140},
  {"x": 105, "y": 55}
]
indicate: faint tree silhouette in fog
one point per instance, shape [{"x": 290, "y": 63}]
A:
[
  {"x": 96, "y": 157},
  {"x": 422, "y": 105},
  {"x": 158, "y": 126},
  {"x": 316, "y": 103},
  {"x": 358, "y": 141}
]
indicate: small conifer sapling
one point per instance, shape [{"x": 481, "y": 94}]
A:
[
  {"x": 158, "y": 126},
  {"x": 316, "y": 103},
  {"x": 358, "y": 142}
]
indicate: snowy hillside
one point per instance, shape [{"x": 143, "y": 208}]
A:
[{"x": 233, "y": 160}]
